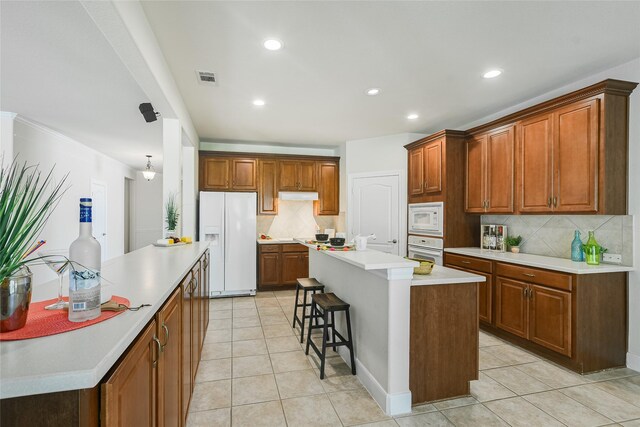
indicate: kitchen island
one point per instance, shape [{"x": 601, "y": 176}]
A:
[
  {"x": 62, "y": 378},
  {"x": 415, "y": 337}
]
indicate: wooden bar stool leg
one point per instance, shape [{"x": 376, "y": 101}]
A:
[
  {"x": 325, "y": 333},
  {"x": 313, "y": 307},
  {"x": 295, "y": 307},
  {"x": 350, "y": 346},
  {"x": 333, "y": 330},
  {"x": 304, "y": 315},
  {"x": 315, "y": 318}
]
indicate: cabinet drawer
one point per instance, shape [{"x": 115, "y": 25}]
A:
[
  {"x": 269, "y": 248},
  {"x": 534, "y": 275},
  {"x": 469, "y": 263},
  {"x": 295, "y": 247}
]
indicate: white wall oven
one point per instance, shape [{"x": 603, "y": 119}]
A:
[
  {"x": 426, "y": 219},
  {"x": 428, "y": 248}
]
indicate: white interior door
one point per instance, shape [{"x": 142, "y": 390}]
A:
[
  {"x": 99, "y": 215},
  {"x": 374, "y": 207}
]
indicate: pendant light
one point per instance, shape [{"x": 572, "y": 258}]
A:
[{"x": 149, "y": 172}]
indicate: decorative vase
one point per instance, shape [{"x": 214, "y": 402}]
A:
[
  {"x": 515, "y": 249},
  {"x": 170, "y": 233},
  {"x": 576, "y": 248},
  {"x": 592, "y": 250},
  {"x": 15, "y": 296}
]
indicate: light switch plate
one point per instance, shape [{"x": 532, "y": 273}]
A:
[{"x": 612, "y": 258}]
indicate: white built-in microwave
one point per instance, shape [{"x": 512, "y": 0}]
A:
[{"x": 426, "y": 219}]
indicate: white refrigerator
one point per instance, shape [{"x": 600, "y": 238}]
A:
[{"x": 228, "y": 223}]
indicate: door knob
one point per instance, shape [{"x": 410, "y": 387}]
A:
[{"x": 392, "y": 241}]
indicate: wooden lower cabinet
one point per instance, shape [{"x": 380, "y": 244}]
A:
[
  {"x": 169, "y": 331},
  {"x": 550, "y": 318},
  {"x": 511, "y": 306},
  {"x": 129, "y": 394},
  {"x": 187, "y": 384},
  {"x": 280, "y": 265},
  {"x": 196, "y": 332}
]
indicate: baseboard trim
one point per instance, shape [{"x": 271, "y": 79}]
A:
[
  {"x": 391, "y": 404},
  {"x": 633, "y": 361}
]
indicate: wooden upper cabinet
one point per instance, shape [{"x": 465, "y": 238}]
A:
[
  {"x": 499, "y": 170},
  {"x": 575, "y": 156},
  {"x": 268, "y": 190},
  {"x": 416, "y": 171},
  {"x": 328, "y": 202},
  {"x": 433, "y": 167},
  {"x": 297, "y": 175},
  {"x": 244, "y": 174},
  {"x": 535, "y": 164},
  {"x": 214, "y": 174},
  {"x": 129, "y": 395},
  {"x": 475, "y": 201}
]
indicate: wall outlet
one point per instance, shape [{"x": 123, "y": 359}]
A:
[{"x": 612, "y": 258}]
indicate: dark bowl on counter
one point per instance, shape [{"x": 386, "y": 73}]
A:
[
  {"x": 322, "y": 237},
  {"x": 337, "y": 241}
]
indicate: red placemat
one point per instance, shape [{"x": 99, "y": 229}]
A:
[{"x": 41, "y": 322}]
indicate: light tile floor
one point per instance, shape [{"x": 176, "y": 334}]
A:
[{"x": 254, "y": 373}]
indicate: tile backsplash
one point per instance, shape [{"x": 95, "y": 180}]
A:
[
  {"x": 296, "y": 219},
  {"x": 551, "y": 235}
]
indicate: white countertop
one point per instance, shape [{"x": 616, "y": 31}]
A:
[
  {"x": 369, "y": 259},
  {"x": 80, "y": 359},
  {"x": 550, "y": 263},
  {"x": 276, "y": 241},
  {"x": 445, "y": 276}
]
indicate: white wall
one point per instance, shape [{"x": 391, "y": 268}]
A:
[
  {"x": 37, "y": 144},
  {"x": 6, "y": 137},
  {"x": 146, "y": 211},
  {"x": 631, "y": 72}
]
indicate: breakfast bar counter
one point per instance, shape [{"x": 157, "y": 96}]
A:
[{"x": 405, "y": 352}]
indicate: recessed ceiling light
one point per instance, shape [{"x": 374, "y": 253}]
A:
[
  {"x": 373, "y": 91},
  {"x": 412, "y": 116},
  {"x": 491, "y": 74},
  {"x": 258, "y": 102},
  {"x": 273, "y": 44}
]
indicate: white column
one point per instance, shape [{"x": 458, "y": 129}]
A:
[
  {"x": 172, "y": 167},
  {"x": 189, "y": 188},
  {"x": 6, "y": 137}
]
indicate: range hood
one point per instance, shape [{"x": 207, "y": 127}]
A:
[{"x": 298, "y": 195}]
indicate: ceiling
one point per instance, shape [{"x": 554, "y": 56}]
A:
[
  {"x": 58, "y": 69},
  {"x": 426, "y": 57}
]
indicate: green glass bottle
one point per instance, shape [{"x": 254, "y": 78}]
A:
[{"x": 592, "y": 250}]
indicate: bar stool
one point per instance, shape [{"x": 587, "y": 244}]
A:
[
  {"x": 307, "y": 285},
  {"x": 328, "y": 304}
]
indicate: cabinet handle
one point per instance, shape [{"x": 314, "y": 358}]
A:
[
  {"x": 555, "y": 202},
  {"x": 157, "y": 341},
  {"x": 193, "y": 288},
  {"x": 549, "y": 202},
  {"x": 524, "y": 292},
  {"x": 466, "y": 262},
  {"x": 166, "y": 335},
  {"x": 425, "y": 185},
  {"x": 529, "y": 274},
  {"x": 487, "y": 206}
]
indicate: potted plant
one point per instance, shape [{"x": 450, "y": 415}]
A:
[
  {"x": 172, "y": 215},
  {"x": 27, "y": 200},
  {"x": 514, "y": 243}
]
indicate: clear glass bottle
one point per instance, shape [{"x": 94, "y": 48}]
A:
[
  {"x": 576, "y": 248},
  {"x": 84, "y": 273},
  {"x": 592, "y": 250}
]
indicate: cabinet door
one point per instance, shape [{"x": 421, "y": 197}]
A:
[
  {"x": 195, "y": 322},
  {"x": 575, "y": 157},
  {"x": 433, "y": 167},
  {"x": 304, "y": 265},
  {"x": 290, "y": 264},
  {"x": 328, "y": 202},
  {"x": 288, "y": 175},
  {"x": 511, "y": 306},
  {"x": 500, "y": 166},
  {"x": 129, "y": 395},
  {"x": 187, "y": 384},
  {"x": 268, "y": 191},
  {"x": 416, "y": 171},
  {"x": 244, "y": 174},
  {"x": 204, "y": 310},
  {"x": 485, "y": 298},
  {"x": 476, "y": 167},
  {"x": 169, "y": 332},
  {"x": 269, "y": 269},
  {"x": 215, "y": 174},
  {"x": 535, "y": 164},
  {"x": 307, "y": 176},
  {"x": 550, "y": 318}
]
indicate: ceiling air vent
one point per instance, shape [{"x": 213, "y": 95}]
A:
[{"x": 207, "y": 78}]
